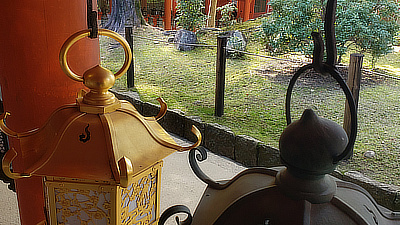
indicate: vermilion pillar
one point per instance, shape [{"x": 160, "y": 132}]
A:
[
  {"x": 247, "y": 9},
  {"x": 32, "y": 82},
  {"x": 167, "y": 14}
]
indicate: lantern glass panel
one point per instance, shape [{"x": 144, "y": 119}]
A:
[
  {"x": 139, "y": 201},
  {"x": 79, "y": 203}
]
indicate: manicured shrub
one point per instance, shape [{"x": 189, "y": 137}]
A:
[
  {"x": 369, "y": 24},
  {"x": 228, "y": 14},
  {"x": 189, "y": 14}
]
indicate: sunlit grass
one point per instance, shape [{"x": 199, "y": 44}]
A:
[{"x": 254, "y": 101}]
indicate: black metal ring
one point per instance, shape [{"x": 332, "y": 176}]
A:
[
  {"x": 196, "y": 169},
  {"x": 336, "y": 75},
  {"x": 174, "y": 210}
]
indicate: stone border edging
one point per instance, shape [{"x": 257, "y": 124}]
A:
[{"x": 247, "y": 150}]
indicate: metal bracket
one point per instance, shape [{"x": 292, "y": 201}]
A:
[
  {"x": 92, "y": 20},
  {"x": 174, "y": 210}
]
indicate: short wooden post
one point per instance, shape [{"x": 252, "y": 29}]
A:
[
  {"x": 220, "y": 75},
  {"x": 130, "y": 79},
  {"x": 353, "y": 81}
]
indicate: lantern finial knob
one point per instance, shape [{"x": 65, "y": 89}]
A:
[
  {"x": 311, "y": 144},
  {"x": 308, "y": 148},
  {"x": 98, "y": 79}
]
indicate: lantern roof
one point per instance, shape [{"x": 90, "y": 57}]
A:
[
  {"x": 99, "y": 137},
  {"x": 255, "y": 198}
]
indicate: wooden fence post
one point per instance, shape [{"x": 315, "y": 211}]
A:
[
  {"x": 353, "y": 81},
  {"x": 130, "y": 77},
  {"x": 220, "y": 75}
]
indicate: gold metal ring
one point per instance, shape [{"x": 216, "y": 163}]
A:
[{"x": 85, "y": 33}]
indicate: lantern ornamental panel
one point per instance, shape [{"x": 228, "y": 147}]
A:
[{"x": 75, "y": 201}]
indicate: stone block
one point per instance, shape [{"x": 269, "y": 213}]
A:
[
  {"x": 173, "y": 121},
  {"x": 246, "y": 150},
  {"x": 150, "y": 109},
  {"x": 219, "y": 139},
  {"x": 268, "y": 156}
]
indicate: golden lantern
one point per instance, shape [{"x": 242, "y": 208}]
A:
[{"x": 100, "y": 159}]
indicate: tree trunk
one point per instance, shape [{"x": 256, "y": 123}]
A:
[
  {"x": 212, "y": 12},
  {"x": 125, "y": 13},
  {"x": 138, "y": 12}
]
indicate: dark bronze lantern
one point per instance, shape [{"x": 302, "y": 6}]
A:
[
  {"x": 302, "y": 192},
  {"x": 100, "y": 159}
]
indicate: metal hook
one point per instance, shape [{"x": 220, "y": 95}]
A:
[
  {"x": 330, "y": 38},
  {"x": 6, "y": 165},
  {"x": 92, "y": 20},
  {"x": 163, "y": 109},
  {"x": 318, "y": 53},
  {"x": 329, "y": 68}
]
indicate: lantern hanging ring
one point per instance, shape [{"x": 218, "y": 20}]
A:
[
  {"x": 86, "y": 33},
  {"x": 327, "y": 68}
]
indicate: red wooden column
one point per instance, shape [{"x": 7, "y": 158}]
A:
[
  {"x": 167, "y": 14},
  {"x": 32, "y": 82},
  {"x": 247, "y": 9}
]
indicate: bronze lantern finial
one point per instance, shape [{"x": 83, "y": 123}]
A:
[
  {"x": 310, "y": 144},
  {"x": 307, "y": 148},
  {"x": 98, "y": 79}
]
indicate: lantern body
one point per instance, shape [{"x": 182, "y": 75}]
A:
[
  {"x": 97, "y": 168},
  {"x": 79, "y": 201},
  {"x": 100, "y": 158}
]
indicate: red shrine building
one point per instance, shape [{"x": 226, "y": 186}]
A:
[{"x": 161, "y": 13}]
